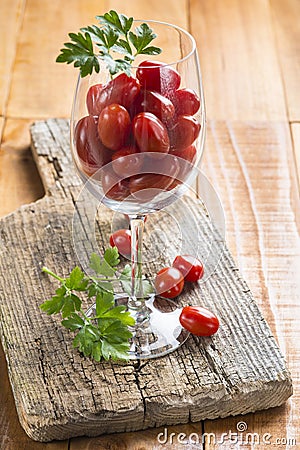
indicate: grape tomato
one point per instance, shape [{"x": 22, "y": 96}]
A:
[
  {"x": 169, "y": 282},
  {"x": 157, "y": 76},
  {"x": 114, "y": 126},
  {"x": 190, "y": 267},
  {"x": 184, "y": 132},
  {"x": 91, "y": 152},
  {"x": 122, "y": 240},
  {"x": 186, "y": 102},
  {"x": 122, "y": 90},
  {"x": 199, "y": 321},
  {"x": 127, "y": 161},
  {"x": 150, "y": 133}
]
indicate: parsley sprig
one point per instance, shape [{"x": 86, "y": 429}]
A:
[
  {"x": 105, "y": 334},
  {"x": 113, "y": 36}
]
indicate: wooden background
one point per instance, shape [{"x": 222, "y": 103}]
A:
[{"x": 250, "y": 57}]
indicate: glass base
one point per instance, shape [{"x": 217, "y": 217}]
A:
[{"x": 157, "y": 331}]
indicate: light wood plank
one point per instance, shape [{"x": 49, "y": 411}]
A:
[
  {"x": 286, "y": 24},
  {"x": 241, "y": 74},
  {"x": 295, "y": 127},
  {"x": 40, "y": 87},
  {"x": 250, "y": 166},
  {"x": 11, "y": 13},
  {"x": 12, "y": 436},
  {"x": 167, "y": 10},
  {"x": 50, "y": 86},
  {"x": 2, "y": 120},
  {"x": 20, "y": 182}
]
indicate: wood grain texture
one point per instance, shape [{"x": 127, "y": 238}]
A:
[
  {"x": 295, "y": 127},
  {"x": 264, "y": 239},
  {"x": 206, "y": 378},
  {"x": 287, "y": 31},
  {"x": 226, "y": 38},
  {"x": 168, "y": 11},
  {"x": 18, "y": 172},
  {"x": 241, "y": 74},
  {"x": 11, "y": 14},
  {"x": 49, "y": 86},
  {"x": 2, "y": 121}
]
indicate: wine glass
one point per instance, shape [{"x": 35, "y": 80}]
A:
[{"x": 136, "y": 143}]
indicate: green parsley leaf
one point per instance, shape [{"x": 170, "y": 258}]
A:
[
  {"x": 113, "y": 36},
  {"x": 111, "y": 256},
  {"x": 150, "y": 51},
  {"x": 106, "y": 333},
  {"x": 104, "y": 302},
  {"x": 71, "y": 303},
  {"x": 123, "y": 47},
  {"x": 103, "y": 266},
  {"x": 81, "y": 53},
  {"x": 118, "y": 21},
  {"x": 52, "y": 306},
  {"x": 125, "y": 278},
  {"x": 73, "y": 322},
  {"x": 76, "y": 280},
  {"x": 114, "y": 351}
]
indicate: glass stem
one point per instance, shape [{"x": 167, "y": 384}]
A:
[{"x": 137, "y": 228}]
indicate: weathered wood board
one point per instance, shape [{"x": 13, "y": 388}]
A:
[{"x": 58, "y": 393}]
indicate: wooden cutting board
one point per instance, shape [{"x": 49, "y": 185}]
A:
[{"x": 60, "y": 394}]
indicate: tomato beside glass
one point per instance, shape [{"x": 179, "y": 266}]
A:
[
  {"x": 199, "y": 321},
  {"x": 169, "y": 282},
  {"x": 122, "y": 240},
  {"x": 191, "y": 268}
]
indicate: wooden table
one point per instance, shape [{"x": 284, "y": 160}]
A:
[{"x": 250, "y": 58}]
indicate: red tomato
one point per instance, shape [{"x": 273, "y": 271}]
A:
[
  {"x": 186, "y": 102},
  {"x": 91, "y": 152},
  {"x": 150, "y": 133},
  {"x": 191, "y": 268},
  {"x": 188, "y": 153},
  {"x": 122, "y": 90},
  {"x": 122, "y": 240},
  {"x": 168, "y": 165},
  {"x": 114, "y": 126},
  {"x": 113, "y": 186},
  {"x": 186, "y": 159},
  {"x": 199, "y": 321},
  {"x": 145, "y": 187},
  {"x": 169, "y": 282},
  {"x": 155, "y": 103},
  {"x": 127, "y": 161},
  {"x": 157, "y": 76},
  {"x": 184, "y": 132},
  {"x": 156, "y": 176}
]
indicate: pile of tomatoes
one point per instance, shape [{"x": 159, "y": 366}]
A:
[
  {"x": 133, "y": 123},
  {"x": 169, "y": 283}
]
